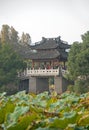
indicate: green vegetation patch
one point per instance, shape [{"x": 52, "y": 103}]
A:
[{"x": 68, "y": 111}]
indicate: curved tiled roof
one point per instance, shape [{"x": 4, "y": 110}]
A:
[
  {"x": 42, "y": 55},
  {"x": 50, "y": 43}
]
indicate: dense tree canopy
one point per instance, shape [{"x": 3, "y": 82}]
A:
[
  {"x": 14, "y": 35},
  {"x": 5, "y": 33},
  {"x": 12, "y": 50},
  {"x": 78, "y": 60},
  {"x": 10, "y": 35},
  {"x": 72, "y": 60},
  {"x": 10, "y": 64}
]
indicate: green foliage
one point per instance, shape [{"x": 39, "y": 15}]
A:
[
  {"x": 78, "y": 60},
  {"x": 51, "y": 80},
  {"x": 81, "y": 86},
  {"x": 5, "y": 34},
  {"x": 25, "y": 38},
  {"x": 6, "y": 108},
  {"x": 13, "y": 35},
  {"x": 72, "y": 63},
  {"x": 85, "y": 38},
  {"x": 70, "y": 88},
  {"x": 83, "y": 63},
  {"x": 10, "y": 64},
  {"x": 8, "y": 34},
  {"x": 78, "y": 63},
  {"x": 21, "y": 111}
]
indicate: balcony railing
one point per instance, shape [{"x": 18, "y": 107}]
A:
[{"x": 41, "y": 72}]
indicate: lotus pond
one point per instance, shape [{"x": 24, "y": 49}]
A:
[{"x": 68, "y": 111}]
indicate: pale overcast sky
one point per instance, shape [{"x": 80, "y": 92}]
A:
[{"x": 47, "y": 18}]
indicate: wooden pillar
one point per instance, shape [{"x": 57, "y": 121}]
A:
[
  {"x": 32, "y": 64},
  {"x": 52, "y": 63},
  {"x": 38, "y": 64},
  {"x": 45, "y": 64}
]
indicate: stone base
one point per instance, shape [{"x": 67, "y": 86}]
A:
[
  {"x": 38, "y": 84},
  {"x": 60, "y": 84},
  {"x": 41, "y": 84}
]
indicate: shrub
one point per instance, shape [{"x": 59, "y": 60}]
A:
[{"x": 81, "y": 86}]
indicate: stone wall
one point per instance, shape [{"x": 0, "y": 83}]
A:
[
  {"x": 38, "y": 84},
  {"x": 60, "y": 84}
]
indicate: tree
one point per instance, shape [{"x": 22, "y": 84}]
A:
[
  {"x": 10, "y": 35},
  {"x": 28, "y": 39},
  {"x": 83, "y": 63},
  {"x": 72, "y": 57},
  {"x": 78, "y": 62},
  {"x": 10, "y": 64},
  {"x": 14, "y": 35},
  {"x": 5, "y": 34},
  {"x": 25, "y": 38},
  {"x": 85, "y": 38}
]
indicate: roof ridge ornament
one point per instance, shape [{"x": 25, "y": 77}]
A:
[{"x": 43, "y": 39}]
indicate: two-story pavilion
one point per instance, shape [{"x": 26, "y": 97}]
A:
[
  {"x": 49, "y": 53},
  {"x": 46, "y": 56}
]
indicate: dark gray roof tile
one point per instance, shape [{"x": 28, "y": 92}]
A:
[
  {"x": 45, "y": 55},
  {"x": 50, "y": 43}
]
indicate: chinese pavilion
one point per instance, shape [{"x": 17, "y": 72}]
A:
[{"x": 47, "y": 57}]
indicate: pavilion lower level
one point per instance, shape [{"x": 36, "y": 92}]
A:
[{"x": 37, "y": 80}]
